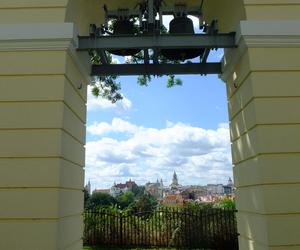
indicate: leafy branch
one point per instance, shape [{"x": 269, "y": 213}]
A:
[{"x": 109, "y": 88}]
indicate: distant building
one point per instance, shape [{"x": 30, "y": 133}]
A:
[
  {"x": 228, "y": 189},
  {"x": 220, "y": 189},
  {"x": 174, "y": 183},
  {"x": 173, "y": 200},
  {"x": 103, "y": 191},
  {"x": 155, "y": 189},
  {"x": 194, "y": 192},
  {"x": 88, "y": 187},
  {"x": 118, "y": 189},
  {"x": 215, "y": 189}
]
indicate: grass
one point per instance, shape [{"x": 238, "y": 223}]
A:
[{"x": 107, "y": 248}]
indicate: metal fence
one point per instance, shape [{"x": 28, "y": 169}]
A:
[{"x": 168, "y": 227}]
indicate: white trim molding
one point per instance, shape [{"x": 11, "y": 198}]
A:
[
  {"x": 261, "y": 34},
  {"x": 269, "y": 33},
  {"x": 45, "y": 37}
]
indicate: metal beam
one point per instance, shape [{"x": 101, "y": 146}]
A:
[
  {"x": 157, "y": 69},
  {"x": 194, "y": 11},
  {"x": 158, "y": 42},
  {"x": 211, "y": 30},
  {"x": 146, "y": 57}
]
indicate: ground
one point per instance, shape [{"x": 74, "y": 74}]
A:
[{"x": 106, "y": 248}]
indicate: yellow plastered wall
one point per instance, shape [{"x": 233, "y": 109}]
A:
[
  {"x": 230, "y": 12},
  {"x": 272, "y": 9},
  {"x": 264, "y": 112},
  {"x": 263, "y": 77},
  {"x": 42, "y": 132}
]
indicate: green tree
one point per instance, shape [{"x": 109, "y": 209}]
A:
[
  {"x": 138, "y": 190},
  {"x": 145, "y": 203},
  {"x": 226, "y": 203},
  {"x": 101, "y": 199},
  {"x": 109, "y": 88},
  {"x": 124, "y": 200},
  {"x": 87, "y": 197}
]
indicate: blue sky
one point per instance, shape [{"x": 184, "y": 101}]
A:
[{"x": 156, "y": 130}]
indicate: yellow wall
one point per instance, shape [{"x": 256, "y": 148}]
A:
[
  {"x": 42, "y": 129},
  {"x": 263, "y": 100},
  {"x": 42, "y": 134},
  {"x": 230, "y": 12},
  {"x": 263, "y": 76}
]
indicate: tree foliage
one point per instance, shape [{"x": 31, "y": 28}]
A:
[
  {"x": 109, "y": 88},
  {"x": 225, "y": 203},
  {"x": 124, "y": 200},
  {"x": 106, "y": 87},
  {"x": 138, "y": 190},
  {"x": 100, "y": 200},
  {"x": 87, "y": 197},
  {"x": 145, "y": 203}
]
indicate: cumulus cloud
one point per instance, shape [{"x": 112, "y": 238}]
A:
[
  {"x": 99, "y": 103},
  {"x": 115, "y": 60},
  {"x": 199, "y": 156},
  {"x": 117, "y": 126}
]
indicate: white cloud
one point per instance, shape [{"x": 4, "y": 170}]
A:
[
  {"x": 117, "y": 126},
  {"x": 99, "y": 103},
  {"x": 115, "y": 60},
  {"x": 198, "y": 155}
]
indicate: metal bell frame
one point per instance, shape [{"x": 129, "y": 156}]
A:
[{"x": 179, "y": 44}]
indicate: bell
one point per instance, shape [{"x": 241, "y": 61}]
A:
[
  {"x": 181, "y": 25},
  {"x": 124, "y": 27}
]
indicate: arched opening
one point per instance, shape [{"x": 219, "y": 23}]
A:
[{"x": 101, "y": 159}]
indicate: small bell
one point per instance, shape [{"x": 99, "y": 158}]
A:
[
  {"x": 181, "y": 25},
  {"x": 124, "y": 27}
]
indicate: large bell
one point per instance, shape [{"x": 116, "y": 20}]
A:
[
  {"x": 181, "y": 25},
  {"x": 124, "y": 27}
]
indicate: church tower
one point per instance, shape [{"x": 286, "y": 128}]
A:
[
  {"x": 174, "y": 180},
  {"x": 230, "y": 182},
  {"x": 88, "y": 187}
]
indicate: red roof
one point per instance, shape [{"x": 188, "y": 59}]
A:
[
  {"x": 128, "y": 184},
  {"x": 101, "y": 191}
]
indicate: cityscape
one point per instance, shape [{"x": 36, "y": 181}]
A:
[{"x": 173, "y": 194}]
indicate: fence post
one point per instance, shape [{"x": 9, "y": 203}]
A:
[{"x": 121, "y": 228}]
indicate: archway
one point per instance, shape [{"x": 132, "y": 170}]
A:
[{"x": 43, "y": 119}]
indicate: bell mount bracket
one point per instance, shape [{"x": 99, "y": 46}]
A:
[{"x": 151, "y": 39}]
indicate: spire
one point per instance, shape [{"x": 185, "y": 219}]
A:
[
  {"x": 230, "y": 182},
  {"x": 88, "y": 187},
  {"x": 174, "y": 180}
]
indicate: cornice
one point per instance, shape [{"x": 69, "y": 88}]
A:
[
  {"x": 272, "y": 41},
  {"x": 269, "y": 33},
  {"x": 271, "y": 2},
  {"x": 261, "y": 34},
  {"x": 35, "y": 45}
]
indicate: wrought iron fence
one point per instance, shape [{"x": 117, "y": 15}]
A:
[{"x": 168, "y": 227}]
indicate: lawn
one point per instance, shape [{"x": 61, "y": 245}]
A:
[{"x": 106, "y": 248}]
